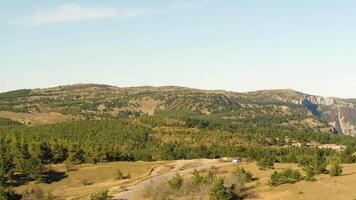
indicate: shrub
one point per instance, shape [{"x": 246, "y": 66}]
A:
[
  {"x": 310, "y": 174},
  {"x": 243, "y": 174},
  {"x": 102, "y": 195},
  {"x": 348, "y": 156},
  {"x": 285, "y": 176},
  {"x": 119, "y": 175},
  {"x": 8, "y": 194},
  {"x": 209, "y": 177},
  {"x": 176, "y": 182},
  {"x": 336, "y": 170},
  {"x": 265, "y": 163},
  {"x": 319, "y": 162},
  {"x": 220, "y": 192},
  {"x": 197, "y": 177}
]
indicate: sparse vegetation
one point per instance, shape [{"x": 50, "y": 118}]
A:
[
  {"x": 120, "y": 175},
  {"x": 241, "y": 173},
  {"x": 88, "y": 179},
  {"x": 266, "y": 162},
  {"x": 202, "y": 185},
  {"x": 37, "y": 193},
  {"x": 176, "y": 182},
  {"x": 336, "y": 170},
  {"x": 319, "y": 162},
  {"x": 310, "y": 174},
  {"x": 285, "y": 176},
  {"x": 102, "y": 195},
  {"x": 9, "y": 194},
  {"x": 220, "y": 192},
  {"x": 197, "y": 177}
]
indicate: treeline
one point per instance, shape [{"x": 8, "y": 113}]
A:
[
  {"x": 160, "y": 137},
  {"x": 26, "y": 150}
]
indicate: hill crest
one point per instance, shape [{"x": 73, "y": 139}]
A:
[{"x": 100, "y": 101}]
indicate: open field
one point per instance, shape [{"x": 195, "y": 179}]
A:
[
  {"x": 324, "y": 188},
  {"x": 36, "y": 118},
  {"x": 90, "y": 178}
]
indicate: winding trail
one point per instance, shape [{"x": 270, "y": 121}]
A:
[{"x": 135, "y": 191}]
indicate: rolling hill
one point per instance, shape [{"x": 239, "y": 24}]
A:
[{"x": 94, "y": 101}]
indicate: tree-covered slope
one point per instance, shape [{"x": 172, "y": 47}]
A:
[{"x": 93, "y": 101}]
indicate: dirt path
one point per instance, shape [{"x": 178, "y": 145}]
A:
[{"x": 134, "y": 191}]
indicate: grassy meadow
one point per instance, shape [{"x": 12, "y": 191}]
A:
[{"x": 86, "y": 179}]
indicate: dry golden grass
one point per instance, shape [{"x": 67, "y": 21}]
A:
[
  {"x": 90, "y": 178},
  {"x": 36, "y": 118},
  {"x": 191, "y": 165},
  {"x": 147, "y": 105},
  {"x": 325, "y": 188}
]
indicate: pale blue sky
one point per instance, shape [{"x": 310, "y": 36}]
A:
[{"x": 239, "y": 45}]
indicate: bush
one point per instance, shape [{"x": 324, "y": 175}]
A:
[
  {"x": 310, "y": 174},
  {"x": 121, "y": 176},
  {"x": 319, "y": 162},
  {"x": 244, "y": 175},
  {"x": 197, "y": 177},
  {"x": 347, "y": 156},
  {"x": 220, "y": 192},
  {"x": 176, "y": 182},
  {"x": 285, "y": 176},
  {"x": 33, "y": 169},
  {"x": 336, "y": 170},
  {"x": 8, "y": 194},
  {"x": 103, "y": 195},
  {"x": 209, "y": 177},
  {"x": 265, "y": 163}
]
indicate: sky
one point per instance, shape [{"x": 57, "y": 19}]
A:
[{"x": 235, "y": 45}]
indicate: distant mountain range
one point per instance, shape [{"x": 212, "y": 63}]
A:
[{"x": 72, "y": 102}]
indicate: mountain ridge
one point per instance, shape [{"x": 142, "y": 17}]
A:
[
  {"x": 88, "y": 85},
  {"x": 100, "y": 100}
]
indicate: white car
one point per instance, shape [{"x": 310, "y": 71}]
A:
[{"x": 237, "y": 160}]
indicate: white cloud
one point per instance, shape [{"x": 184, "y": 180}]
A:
[{"x": 72, "y": 12}]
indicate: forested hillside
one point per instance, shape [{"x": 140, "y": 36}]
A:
[{"x": 92, "y": 101}]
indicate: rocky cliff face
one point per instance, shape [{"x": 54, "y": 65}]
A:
[
  {"x": 338, "y": 113},
  {"x": 328, "y": 101}
]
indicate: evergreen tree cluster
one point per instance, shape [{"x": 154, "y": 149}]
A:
[{"x": 165, "y": 136}]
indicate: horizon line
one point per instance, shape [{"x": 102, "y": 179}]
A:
[{"x": 178, "y": 86}]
